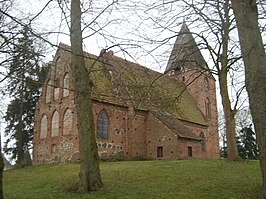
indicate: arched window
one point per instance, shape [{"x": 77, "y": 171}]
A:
[
  {"x": 55, "y": 124},
  {"x": 58, "y": 67},
  {"x": 56, "y": 89},
  {"x": 55, "y": 67},
  {"x": 56, "y": 78},
  {"x": 48, "y": 92},
  {"x": 67, "y": 122},
  {"x": 203, "y": 142},
  {"x": 102, "y": 124},
  {"x": 66, "y": 85},
  {"x": 43, "y": 133}
]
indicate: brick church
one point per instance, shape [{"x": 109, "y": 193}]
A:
[{"x": 138, "y": 113}]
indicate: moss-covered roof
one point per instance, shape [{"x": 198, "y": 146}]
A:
[
  {"x": 122, "y": 82},
  {"x": 175, "y": 125},
  {"x": 185, "y": 52}
]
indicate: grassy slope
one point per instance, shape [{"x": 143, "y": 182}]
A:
[{"x": 141, "y": 179}]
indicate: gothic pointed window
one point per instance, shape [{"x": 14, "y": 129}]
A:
[
  {"x": 66, "y": 85},
  {"x": 67, "y": 122},
  {"x": 55, "y": 124},
  {"x": 58, "y": 67},
  {"x": 44, "y": 122},
  {"x": 57, "y": 75},
  {"x": 56, "y": 89},
  {"x": 102, "y": 124},
  {"x": 48, "y": 92}
]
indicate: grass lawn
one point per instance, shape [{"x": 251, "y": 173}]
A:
[{"x": 183, "y": 179}]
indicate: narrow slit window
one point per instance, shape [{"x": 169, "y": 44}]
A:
[
  {"x": 159, "y": 151},
  {"x": 203, "y": 142},
  {"x": 189, "y": 149},
  {"x": 66, "y": 85},
  {"x": 206, "y": 84}
]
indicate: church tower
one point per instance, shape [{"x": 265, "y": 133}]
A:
[{"x": 187, "y": 64}]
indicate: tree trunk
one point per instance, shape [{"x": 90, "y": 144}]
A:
[
  {"x": 23, "y": 156},
  {"x": 90, "y": 178},
  {"x": 246, "y": 13},
  {"x": 2, "y": 166},
  {"x": 229, "y": 116},
  {"x": 1, "y": 175},
  {"x": 19, "y": 134}
]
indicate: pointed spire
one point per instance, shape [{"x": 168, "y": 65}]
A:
[{"x": 185, "y": 52}]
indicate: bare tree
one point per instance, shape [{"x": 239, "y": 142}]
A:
[
  {"x": 5, "y": 5},
  {"x": 221, "y": 25},
  {"x": 90, "y": 178},
  {"x": 214, "y": 27},
  {"x": 254, "y": 56}
]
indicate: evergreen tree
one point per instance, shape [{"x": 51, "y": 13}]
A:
[
  {"x": 223, "y": 149},
  {"x": 247, "y": 146},
  {"x": 24, "y": 82}
]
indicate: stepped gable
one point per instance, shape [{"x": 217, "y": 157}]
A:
[
  {"x": 185, "y": 52},
  {"x": 103, "y": 90}
]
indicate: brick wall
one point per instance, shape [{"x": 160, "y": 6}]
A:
[
  {"x": 158, "y": 135},
  {"x": 132, "y": 134},
  {"x": 201, "y": 86}
]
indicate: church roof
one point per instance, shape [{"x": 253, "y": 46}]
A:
[
  {"x": 175, "y": 125},
  {"x": 125, "y": 83},
  {"x": 185, "y": 52}
]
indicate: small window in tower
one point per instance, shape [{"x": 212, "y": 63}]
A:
[
  {"x": 206, "y": 83},
  {"x": 159, "y": 151},
  {"x": 208, "y": 108},
  {"x": 172, "y": 72},
  {"x": 189, "y": 150},
  {"x": 203, "y": 142},
  {"x": 175, "y": 71}
]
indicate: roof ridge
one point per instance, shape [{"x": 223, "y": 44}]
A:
[
  {"x": 145, "y": 87},
  {"x": 110, "y": 55}
]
